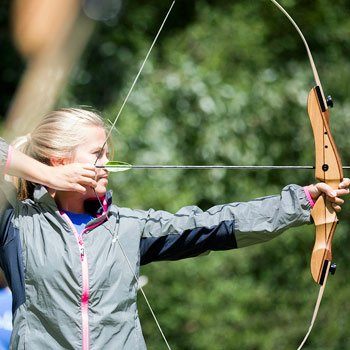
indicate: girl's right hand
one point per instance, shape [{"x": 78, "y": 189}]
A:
[
  {"x": 72, "y": 177},
  {"x": 63, "y": 177}
]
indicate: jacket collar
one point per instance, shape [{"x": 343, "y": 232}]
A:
[{"x": 93, "y": 206}]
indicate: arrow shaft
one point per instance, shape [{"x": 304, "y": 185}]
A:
[{"x": 206, "y": 167}]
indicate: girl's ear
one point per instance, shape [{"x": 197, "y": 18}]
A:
[{"x": 58, "y": 161}]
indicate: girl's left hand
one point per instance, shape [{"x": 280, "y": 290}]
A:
[{"x": 333, "y": 195}]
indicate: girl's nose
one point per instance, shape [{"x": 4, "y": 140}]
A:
[{"x": 105, "y": 160}]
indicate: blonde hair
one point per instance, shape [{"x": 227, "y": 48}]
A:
[{"x": 56, "y": 136}]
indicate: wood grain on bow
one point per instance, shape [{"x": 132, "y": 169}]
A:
[{"x": 328, "y": 170}]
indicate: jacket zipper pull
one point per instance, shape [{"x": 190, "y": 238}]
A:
[{"x": 82, "y": 250}]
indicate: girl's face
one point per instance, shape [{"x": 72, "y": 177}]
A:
[{"x": 90, "y": 151}]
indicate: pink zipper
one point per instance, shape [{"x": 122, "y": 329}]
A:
[{"x": 85, "y": 288}]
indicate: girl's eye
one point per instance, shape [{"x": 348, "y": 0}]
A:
[{"x": 99, "y": 154}]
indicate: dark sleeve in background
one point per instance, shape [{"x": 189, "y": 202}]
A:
[{"x": 188, "y": 244}]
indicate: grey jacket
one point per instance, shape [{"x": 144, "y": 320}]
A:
[{"x": 74, "y": 291}]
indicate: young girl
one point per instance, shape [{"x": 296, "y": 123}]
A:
[{"x": 72, "y": 258}]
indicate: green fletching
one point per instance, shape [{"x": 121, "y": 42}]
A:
[{"x": 116, "y": 166}]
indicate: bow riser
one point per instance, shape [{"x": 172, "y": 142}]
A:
[{"x": 329, "y": 170}]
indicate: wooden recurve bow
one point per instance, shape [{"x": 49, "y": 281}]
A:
[{"x": 328, "y": 169}]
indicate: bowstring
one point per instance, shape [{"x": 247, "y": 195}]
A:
[
  {"x": 102, "y": 148},
  {"x": 135, "y": 80},
  {"x": 143, "y": 293}
]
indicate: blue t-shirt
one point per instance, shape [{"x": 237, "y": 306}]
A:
[{"x": 79, "y": 220}]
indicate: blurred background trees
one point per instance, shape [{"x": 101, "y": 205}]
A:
[{"x": 226, "y": 83}]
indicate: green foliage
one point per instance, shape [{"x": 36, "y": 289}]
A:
[
  {"x": 227, "y": 83},
  {"x": 228, "y": 87}
]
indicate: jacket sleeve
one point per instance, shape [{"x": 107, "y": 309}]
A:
[
  {"x": 11, "y": 259},
  {"x": 4, "y": 149},
  {"x": 191, "y": 231},
  {"x": 7, "y": 192}
]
